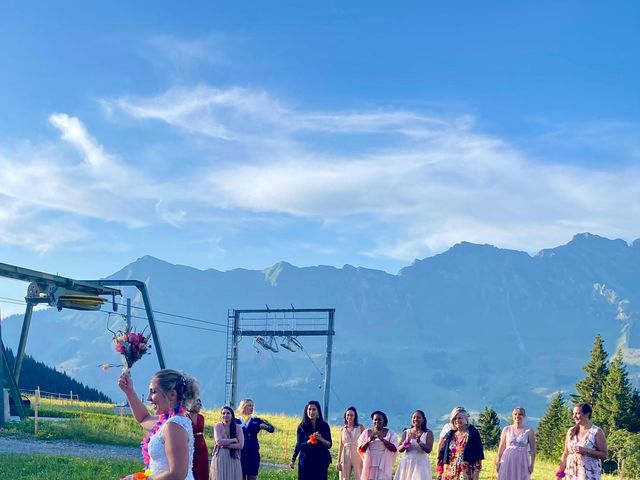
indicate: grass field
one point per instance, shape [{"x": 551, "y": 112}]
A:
[{"x": 96, "y": 423}]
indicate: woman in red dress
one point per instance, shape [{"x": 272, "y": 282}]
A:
[{"x": 200, "y": 452}]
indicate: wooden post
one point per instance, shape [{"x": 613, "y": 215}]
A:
[
  {"x": 121, "y": 416},
  {"x": 35, "y": 411}
]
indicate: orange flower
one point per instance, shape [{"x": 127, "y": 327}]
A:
[
  {"x": 140, "y": 476},
  {"x": 312, "y": 440}
]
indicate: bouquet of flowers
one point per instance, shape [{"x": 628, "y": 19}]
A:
[{"x": 131, "y": 345}]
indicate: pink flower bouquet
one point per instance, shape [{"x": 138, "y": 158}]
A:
[{"x": 131, "y": 345}]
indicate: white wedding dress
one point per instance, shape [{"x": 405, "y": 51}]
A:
[{"x": 158, "y": 456}]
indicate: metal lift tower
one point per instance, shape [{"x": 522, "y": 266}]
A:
[
  {"x": 62, "y": 292},
  {"x": 265, "y": 326}
]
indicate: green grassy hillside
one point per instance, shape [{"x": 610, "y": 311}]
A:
[{"x": 97, "y": 423}]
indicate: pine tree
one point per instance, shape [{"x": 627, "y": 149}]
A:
[
  {"x": 590, "y": 388},
  {"x": 614, "y": 407},
  {"x": 488, "y": 425},
  {"x": 553, "y": 428},
  {"x": 634, "y": 425}
]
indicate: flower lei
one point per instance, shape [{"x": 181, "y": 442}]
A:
[{"x": 146, "y": 458}]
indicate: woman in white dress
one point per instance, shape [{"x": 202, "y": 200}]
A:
[
  {"x": 416, "y": 443},
  {"x": 168, "y": 448},
  {"x": 349, "y": 460}
]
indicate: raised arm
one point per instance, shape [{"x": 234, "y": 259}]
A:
[
  {"x": 140, "y": 412},
  {"x": 391, "y": 443},
  {"x": 365, "y": 438},
  {"x": 402, "y": 440},
  {"x": 323, "y": 435},
  {"x": 264, "y": 425}
]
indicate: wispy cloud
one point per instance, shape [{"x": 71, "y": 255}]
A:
[
  {"x": 414, "y": 182},
  {"x": 436, "y": 180},
  {"x": 74, "y": 132}
]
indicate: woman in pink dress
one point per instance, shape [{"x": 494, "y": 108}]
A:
[
  {"x": 229, "y": 440},
  {"x": 517, "y": 450},
  {"x": 377, "y": 445},
  {"x": 349, "y": 460},
  {"x": 584, "y": 447}
]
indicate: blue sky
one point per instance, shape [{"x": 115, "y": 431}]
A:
[{"x": 237, "y": 134}]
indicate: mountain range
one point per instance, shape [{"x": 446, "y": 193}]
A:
[{"x": 475, "y": 326}]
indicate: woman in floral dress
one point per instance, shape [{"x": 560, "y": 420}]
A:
[
  {"x": 585, "y": 447},
  {"x": 460, "y": 454}
]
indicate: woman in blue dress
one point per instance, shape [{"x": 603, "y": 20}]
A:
[
  {"x": 251, "y": 426},
  {"x": 313, "y": 444}
]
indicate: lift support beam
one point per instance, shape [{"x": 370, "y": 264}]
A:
[{"x": 46, "y": 282}]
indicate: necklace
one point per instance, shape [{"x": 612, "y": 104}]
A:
[{"x": 162, "y": 419}]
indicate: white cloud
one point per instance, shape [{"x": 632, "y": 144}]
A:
[
  {"x": 75, "y": 133},
  {"x": 419, "y": 182}
]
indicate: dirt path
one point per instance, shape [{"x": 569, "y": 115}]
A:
[
  {"x": 77, "y": 449},
  {"x": 66, "y": 447}
]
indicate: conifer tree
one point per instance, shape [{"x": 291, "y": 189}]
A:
[
  {"x": 613, "y": 409},
  {"x": 590, "y": 388},
  {"x": 553, "y": 428},
  {"x": 488, "y": 425},
  {"x": 634, "y": 425}
]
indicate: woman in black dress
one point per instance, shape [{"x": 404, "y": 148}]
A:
[{"x": 313, "y": 444}]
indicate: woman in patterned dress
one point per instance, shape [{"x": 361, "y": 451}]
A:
[
  {"x": 225, "y": 463},
  {"x": 517, "y": 450},
  {"x": 349, "y": 461},
  {"x": 585, "y": 447},
  {"x": 460, "y": 453}
]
